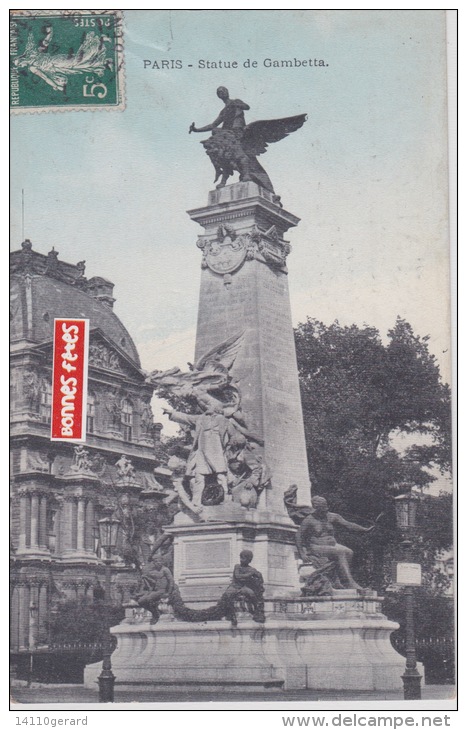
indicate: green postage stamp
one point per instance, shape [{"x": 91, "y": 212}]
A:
[{"x": 66, "y": 60}]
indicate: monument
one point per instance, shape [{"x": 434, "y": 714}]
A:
[{"x": 304, "y": 623}]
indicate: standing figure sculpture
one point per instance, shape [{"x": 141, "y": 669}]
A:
[
  {"x": 208, "y": 454},
  {"x": 236, "y": 145},
  {"x": 315, "y": 540}
]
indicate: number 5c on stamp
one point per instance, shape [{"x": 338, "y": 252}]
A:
[{"x": 90, "y": 89}]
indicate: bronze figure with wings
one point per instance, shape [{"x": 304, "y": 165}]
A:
[
  {"x": 236, "y": 145},
  {"x": 223, "y": 447}
]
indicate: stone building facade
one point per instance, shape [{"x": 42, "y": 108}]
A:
[{"x": 55, "y": 503}]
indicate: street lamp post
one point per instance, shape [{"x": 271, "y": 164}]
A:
[
  {"x": 108, "y": 535},
  {"x": 409, "y": 575},
  {"x": 33, "y": 611}
]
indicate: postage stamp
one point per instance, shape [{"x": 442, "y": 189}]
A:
[{"x": 66, "y": 60}]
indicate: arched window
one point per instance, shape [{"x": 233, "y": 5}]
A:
[
  {"x": 90, "y": 413},
  {"x": 45, "y": 404},
  {"x": 127, "y": 420}
]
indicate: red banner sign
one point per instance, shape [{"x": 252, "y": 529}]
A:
[{"x": 70, "y": 379}]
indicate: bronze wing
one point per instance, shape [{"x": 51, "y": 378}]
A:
[
  {"x": 225, "y": 352},
  {"x": 257, "y": 135}
]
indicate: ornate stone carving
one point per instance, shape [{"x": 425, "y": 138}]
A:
[
  {"x": 81, "y": 282},
  {"x": 32, "y": 389},
  {"x": 82, "y": 463},
  {"x": 125, "y": 468},
  {"x": 113, "y": 405},
  {"x": 31, "y": 491},
  {"x": 29, "y": 262},
  {"x": 52, "y": 262},
  {"x": 146, "y": 420},
  {"x": 102, "y": 356},
  {"x": 228, "y": 251},
  {"x": 26, "y": 256},
  {"x": 36, "y": 462},
  {"x": 98, "y": 464},
  {"x": 271, "y": 248}
]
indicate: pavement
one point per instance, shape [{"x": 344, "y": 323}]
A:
[{"x": 54, "y": 694}]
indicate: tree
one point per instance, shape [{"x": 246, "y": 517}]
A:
[{"x": 358, "y": 396}]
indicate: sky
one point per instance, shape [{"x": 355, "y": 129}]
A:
[{"x": 367, "y": 173}]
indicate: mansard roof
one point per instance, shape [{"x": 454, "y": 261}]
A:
[{"x": 43, "y": 287}]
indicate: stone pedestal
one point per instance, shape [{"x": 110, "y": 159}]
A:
[
  {"x": 205, "y": 555},
  {"x": 324, "y": 643},
  {"x": 244, "y": 289}
]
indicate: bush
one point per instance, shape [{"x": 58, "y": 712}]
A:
[{"x": 84, "y": 621}]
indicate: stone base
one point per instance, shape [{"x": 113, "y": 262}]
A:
[
  {"x": 205, "y": 555},
  {"x": 319, "y": 644}
]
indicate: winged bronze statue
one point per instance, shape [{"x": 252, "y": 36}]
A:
[
  {"x": 235, "y": 145},
  {"x": 209, "y": 380}
]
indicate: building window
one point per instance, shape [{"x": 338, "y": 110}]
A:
[
  {"x": 45, "y": 405},
  {"x": 90, "y": 413},
  {"x": 127, "y": 420}
]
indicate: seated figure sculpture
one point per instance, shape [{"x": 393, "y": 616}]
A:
[
  {"x": 157, "y": 583},
  {"x": 315, "y": 540},
  {"x": 247, "y": 585}
]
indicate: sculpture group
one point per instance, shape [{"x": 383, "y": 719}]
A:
[
  {"x": 225, "y": 461},
  {"x": 245, "y": 591}
]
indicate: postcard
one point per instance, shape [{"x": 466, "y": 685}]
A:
[{"x": 231, "y": 359}]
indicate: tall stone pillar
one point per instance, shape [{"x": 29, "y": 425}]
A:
[
  {"x": 89, "y": 543},
  {"x": 244, "y": 305},
  {"x": 23, "y": 502},
  {"x": 244, "y": 290},
  {"x": 34, "y": 521},
  {"x": 43, "y": 521},
  {"x": 14, "y": 613},
  {"x": 66, "y": 523},
  {"x": 43, "y": 607},
  {"x": 80, "y": 524},
  {"x": 23, "y": 628},
  {"x": 74, "y": 524},
  {"x": 58, "y": 527},
  {"x": 28, "y": 521}
]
